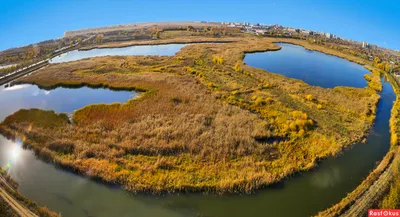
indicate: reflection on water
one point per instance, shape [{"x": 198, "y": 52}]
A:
[
  {"x": 312, "y": 67},
  {"x": 75, "y": 196},
  {"x": 62, "y": 191},
  {"x": 60, "y": 100},
  {"x": 160, "y": 50},
  {"x": 12, "y": 156},
  {"x": 69, "y": 194},
  {"x": 327, "y": 178}
]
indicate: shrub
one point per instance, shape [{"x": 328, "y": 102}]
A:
[
  {"x": 235, "y": 92},
  {"x": 259, "y": 101},
  {"x": 199, "y": 62},
  {"x": 64, "y": 147},
  {"x": 211, "y": 85},
  {"x": 190, "y": 70},
  {"x": 293, "y": 126},
  {"x": 218, "y": 60},
  {"x": 238, "y": 68},
  {"x": 309, "y": 97},
  {"x": 269, "y": 100},
  {"x": 162, "y": 163}
]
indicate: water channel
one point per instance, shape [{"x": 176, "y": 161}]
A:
[{"x": 301, "y": 195}]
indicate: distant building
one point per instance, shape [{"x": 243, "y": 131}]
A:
[
  {"x": 260, "y": 32},
  {"x": 364, "y": 45},
  {"x": 328, "y": 35}
]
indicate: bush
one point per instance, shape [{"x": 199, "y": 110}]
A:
[
  {"x": 60, "y": 146},
  {"x": 269, "y": 100},
  {"x": 238, "y": 68},
  {"x": 218, "y": 60},
  {"x": 259, "y": 101}
]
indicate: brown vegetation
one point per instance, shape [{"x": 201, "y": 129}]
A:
[
  {"x": 389, "y": 198},
  {"x": 392, "y": 199},
  {"x": 207, "y": 122}
]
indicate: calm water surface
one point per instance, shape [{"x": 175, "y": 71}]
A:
[
  {"x": 161, "y": 50},
  {"x": 312, "y": 67},
  {"x": 75, "y": 196}
]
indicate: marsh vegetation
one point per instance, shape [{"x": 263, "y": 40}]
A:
[{"x": 206, "y": 121}]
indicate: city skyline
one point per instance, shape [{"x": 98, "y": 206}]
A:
[{"x": 31, "y": 22}]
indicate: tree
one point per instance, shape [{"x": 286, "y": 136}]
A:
[
  {"x": 387, "y": 67},
  {"x": 376, "y": 60},
  {"x": 99, "y": 38},
  {"x": 157, "y": 34}
]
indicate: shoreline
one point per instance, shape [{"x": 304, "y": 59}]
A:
[
  {"x": 343, "y": 148},
  {"x": 123, "y": 44}
]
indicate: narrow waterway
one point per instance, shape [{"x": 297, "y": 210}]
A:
[{"x": 75, "y": 196}]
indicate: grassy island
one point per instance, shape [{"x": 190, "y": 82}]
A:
[{"x": 205, "y": 120}]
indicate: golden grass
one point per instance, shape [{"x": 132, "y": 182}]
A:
[
  {"x": 392, "y": 199},
  {"x": 390, "y": 161},
  {"x": 201, "y": 125}
]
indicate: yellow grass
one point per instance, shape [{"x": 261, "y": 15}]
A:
[{"x": 201, "y": 125}]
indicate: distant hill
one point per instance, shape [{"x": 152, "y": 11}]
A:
[{"x": 164, "y": 25}]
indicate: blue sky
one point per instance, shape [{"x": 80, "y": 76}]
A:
[{"x": 26, "y": 22}]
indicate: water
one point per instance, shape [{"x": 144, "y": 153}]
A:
[
  {"x": 60, "y": 99},
  {"x": 312, "y": 67},
  {"x": 310, "y": 192},
  {"x": 75, "y": 196},
  {"x": 161, "y": 50}
]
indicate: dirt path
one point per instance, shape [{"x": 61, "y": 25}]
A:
[
  {"x": 15, "y": 205},
  {"x": 362, "y": 204}
]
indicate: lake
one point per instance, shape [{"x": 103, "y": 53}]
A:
[
  {"x": 160, "y": 50},
  {"x": 301, "y": 195},
  {"x": 312, "y": 67}
]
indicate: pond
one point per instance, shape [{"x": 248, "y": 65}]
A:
[
  {"x": 312, "y": 67},
  {"x": 160, "y": 50},
  {"x": 75, "y": 196}
]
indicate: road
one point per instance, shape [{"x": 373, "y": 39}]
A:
[
  {"x": 20, "y": 209},
  {"x": 35, "y": 66},
  {"x": 367, "y": 200}
]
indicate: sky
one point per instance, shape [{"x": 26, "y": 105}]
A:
[{"x": 373, "y": 21}]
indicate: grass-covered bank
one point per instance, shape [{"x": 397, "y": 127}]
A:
[
  {"x": 383, "y": 180},
  {"x": 391, "y": 200},
  {"x": 207, "y": 122}
]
